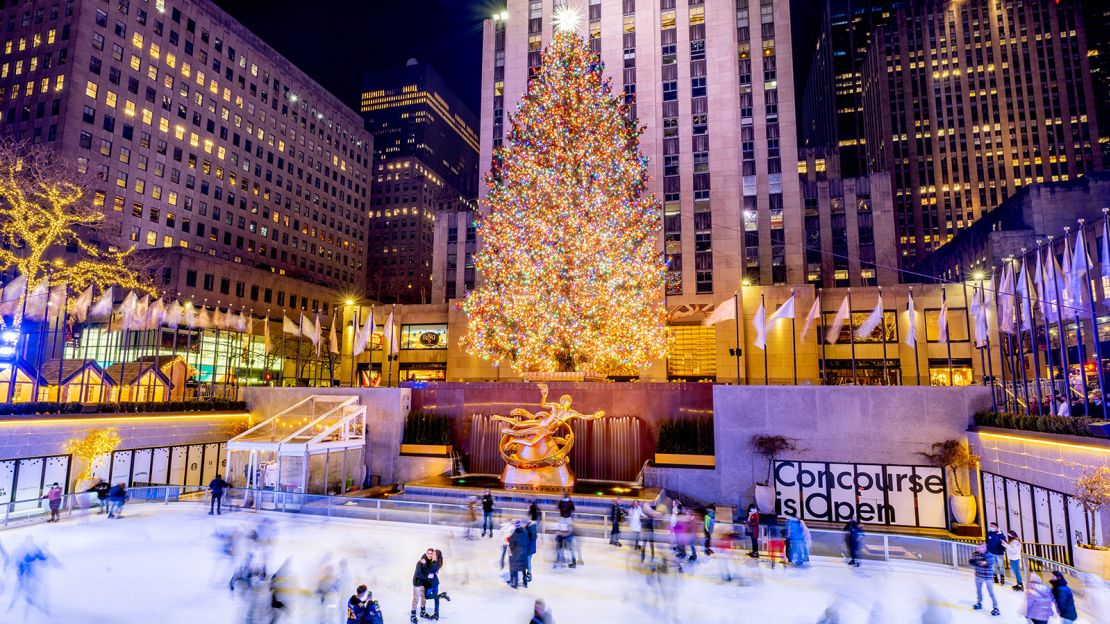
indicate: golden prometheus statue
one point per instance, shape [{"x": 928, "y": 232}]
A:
[{"x": 536, "y": 447}]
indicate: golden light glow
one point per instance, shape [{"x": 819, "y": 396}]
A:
[
  {"x": 1016, "y": 438},
  {"x": 93, "y": 445},
  {"x": 123, "y": 419}
]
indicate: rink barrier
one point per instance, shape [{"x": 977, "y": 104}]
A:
[{"x": 887, "y": 548}]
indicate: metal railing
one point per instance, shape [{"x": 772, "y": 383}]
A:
[{"x": 887, "y": 548}]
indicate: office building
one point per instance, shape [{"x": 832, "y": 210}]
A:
[
  {"x": 712, "y": 81},
  {"x": 832, "y": 102},
  {"x": 412, "y": 112},
  {"x": 967, "y": 102},
  {"x": 198, "y": 136},
  {"x": 849, "y": 224}
]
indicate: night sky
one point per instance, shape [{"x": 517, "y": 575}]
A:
[{"x": 334, "y": 41}]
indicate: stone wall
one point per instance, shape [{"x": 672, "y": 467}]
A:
[{"x": 882, "y": 425}]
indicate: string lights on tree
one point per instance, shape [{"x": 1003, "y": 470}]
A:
[
  {"x": 45, "y": 209},
  {"x": 572, "y": 277}
]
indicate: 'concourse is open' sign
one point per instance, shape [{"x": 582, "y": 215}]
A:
[{"x": 869, "y": 493}]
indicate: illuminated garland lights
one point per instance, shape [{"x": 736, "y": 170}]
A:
[{"x": 573, "y": 279}]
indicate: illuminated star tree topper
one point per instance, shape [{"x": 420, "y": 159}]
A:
[{"x": 572, "y": 279}]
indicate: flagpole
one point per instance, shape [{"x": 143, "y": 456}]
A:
[
  {"x": 354, "y": 338},
  {"x": 1080, "y": 346},
  {"x": 763, "y": 302},
  {"x": 85, "y": 358},
  {"x": 1094, "y": 324},
  {"x": 998, "y": 317},
  {"x": 852, "y": 336},
  {"x": 882, "y": 335},
  {"x": 916, "y": 345},
  {"x": 188, "y": 345},
  {"x": 297, "y": 369},
  {"x": 1060, "y": 330},
  {"x": 793, "y": 341},
  {"x": 821, "y": 336},
  {"x": 987, "y": 347},
  {"x": 1047, "y": 335},
  {"x": 19, "y": 339},
  {"x": 173, "y": 349},
  {"x": 967, "y": 319},
  {"x": 1020, "y": 359},
  {"x": 62, "y": 361},
  {"x": 41, "y": 346},
  {"x": 947, "y": 338},
  {"x": 1030, "y": 288},
  {"x": 736, "y": 326},
  {"x": 389, "y": 358}
]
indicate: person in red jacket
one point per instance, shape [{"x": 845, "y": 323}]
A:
[{"x": 753, "y": 530}]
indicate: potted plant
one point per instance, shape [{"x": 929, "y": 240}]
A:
[
  {"x": 769, "y": 447},
  {"x": 1092, "y": 492},
  {"x": 427, "y": 434},
  {"x": 954, "y": 455},
  {"x": 686, "y": 442}
]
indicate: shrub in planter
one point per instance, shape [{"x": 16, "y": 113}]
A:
[
  {"x": 686, "y": 436},
  {"x": 955, "y": 456},
  {"x": 427, "y": 428}
]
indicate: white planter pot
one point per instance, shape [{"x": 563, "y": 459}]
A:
[
  {"x": 765, "y": 497},
  {"x": 963, "y": 508},
  {"x": 1092, "y": 561}
]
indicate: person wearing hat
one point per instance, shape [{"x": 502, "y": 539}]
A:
[{"x": 1062, "y": 596}]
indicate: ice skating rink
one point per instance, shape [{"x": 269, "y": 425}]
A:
[{"x": 161, "y": 564}]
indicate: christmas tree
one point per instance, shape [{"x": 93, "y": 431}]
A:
[{"x": 572, "y": 276}]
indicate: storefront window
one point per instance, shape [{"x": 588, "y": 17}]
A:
[
  {"x": 960, "y": 376},
  {"x": 890, "y": 324},
  {"x": 423, "y": 374},
  {"x": 867, "y": 372},
  {"x": 957, "y": 326},
  {"x": 424, "y": 336}
]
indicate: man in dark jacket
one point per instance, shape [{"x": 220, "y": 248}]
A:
[
  {"x": 518, "y": 556},
  {"x": 116, "y": 495},
  {"x": 217, "y": 487},
  {"x": 566, "y": 507},
  {"x": 532, "y": 529},
  {"x": 487, "y": 514},
  {"x": 1065, "y": 601},
  {"x": 101, "y": 489},
  {"x": 616, "y": 514},
  {"x": 358, "y": 605},
  {"x": 996, "y": 552}
]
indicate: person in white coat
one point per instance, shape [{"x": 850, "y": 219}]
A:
[
  {"x": 1013, "y": 557},
  {"x": 636, "y": 523}
]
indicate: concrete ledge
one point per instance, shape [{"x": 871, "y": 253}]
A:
[{"x": 1019, "y": 434}]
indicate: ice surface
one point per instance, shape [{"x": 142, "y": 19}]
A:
[{"x": 160, "y": 564}]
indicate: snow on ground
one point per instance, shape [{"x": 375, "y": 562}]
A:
[{"x": 160, "y": 564}]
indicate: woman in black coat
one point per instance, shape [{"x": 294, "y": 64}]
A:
[
  {"x": 423, "y": 578},
  {"x": 518, "y": 555},
  {"x": 1065, "y": 600}
]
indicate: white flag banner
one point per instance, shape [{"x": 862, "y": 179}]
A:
[
  {"x": 389, "y": 336},
  {"x": 142, "y": 309},
  {"x": 1067, "y": 294},
  {"x": 333, "y": 340},
  {"x": 364, "y": 335},
  {"x": 11, "y": 299},
  {"x": 1080, "y": 269},
  {"x": 785, "y": 311},
  {"x": 942, "y": 323},
  {"x": 833, "y": 333},
  {"x": 1060, "y": 288},
  {"x": 129, "y": 312},
  {"x": 319, "y": 334},
  {"x": 81, "y": 305},
  {"x": 188, "y": 315},
  {"x": 266, "y": 334},
  {"x": 156, "y": 313},
  {"x": 979, "y": 317},
  {"x": 1025, "y": 297},
  {"x": 173, "y": 316},
  {"x": 814, "y": 312},
  {"x": 102, "y": 309},
  {"x": 35, "y": 307},
  {"x": 218, "y": 321},
  {"x": 760, "y": 324},
  {"x": 1038, "y": 286},
  {"x": 308, "y": 330},
  {"x": 1006, "y": 300},
  {"x": 56, "y": 302},
  {"x": 872, "y": 321},
  {"x": 289, "y": 327},
  {"x": 911, "y": 322},
  {"x": 725, "y": 311}
]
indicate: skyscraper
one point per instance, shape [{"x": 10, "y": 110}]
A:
[
  {"x": 426, "y": 160},
  {"x": 201, "y": 138},
  {"x": 967, "y": 102},
  {"x": 712, "y": 82},
  {"x": 412, "y": 112}
]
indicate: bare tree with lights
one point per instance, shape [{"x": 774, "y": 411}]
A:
[
  {"x": 45, "y": 207},
  {"x": 572, "y": 279}
]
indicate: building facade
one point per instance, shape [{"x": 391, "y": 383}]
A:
[
  {"x": 196, "y": 134},
  {"x": 412, "y": 112},
  {"x": 1019, "y": 223},
  {"x": 968, "y": 102},
  {"x": 456, "y": 243},
  {"x": 712, "y": 82},
  {"x": 832, "y": 103},
  {"x": 849, "y": 224}
]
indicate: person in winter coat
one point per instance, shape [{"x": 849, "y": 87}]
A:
[
  {"x": 616, "y": 514},
  {"x": 116, "y": 496},
  {"x": 518, "y": 556},
  {"x": 983, "y": 565},
  {"x": 53, "y": 498},
  {"x": 1039, "y": 603},
  {"x": 472, "y": 519},
  {"x": 217, "y": 487},
  {"x": 996, "y": 551},
  {"x": 708, "y": 523},
  {"x": 422, "y": 580},
  {"x": 437, "y": 595},
  {"x": 636, "y": 523},
  {"x": 358, "y": 605},
  {"x": 532, "y": 529},
  {"x": 566, "y": 507},
  {"x": 854, "y": 540},
  {"x": 535, "y": 515},
  {"x": 540, "y": 614},
  {"x": 753, "y": 530},
  {"x": 1065, "y": 601},
  {"x": 504, "y": 533},
  {"x": 101, "y": 488},
  {"x": 1013, "y": 557},
  {"x": 487, "y": 514}
]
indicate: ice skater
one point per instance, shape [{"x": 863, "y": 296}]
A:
[
  {"x": 116, "y": 497},
  {"x": 709, "y": 522},
  {"x": 996, "y": 552},
  {"x": 101, "y": 489},
  {"x": 216, "y": 488},
  {"x": 636, "y": 523},
  {"x": 1065, "y": 600},
  {"x": 1039, "y": 603},
  {"x": 853, "y": 538},
  {"x": 472, "y": 519},
  {"x": 1013, "y": 557},
  {"x": 362, "y": 608},
  {"x": 616, "y": 514},
  {"x": 532, "y": 529},
  {"x": 487, "y": 514},
  {"x": 29, "y": 563},
  {"x": 983, "y": 565},
  {"x": 540, "y": 614},
  {"x": 435, "y": 594},
  {"x": 753, "y": 530},
  {"x": 422, "y": 581},
  {"x": 518, "y": 556},
  {"x": 53, "y": 498}
]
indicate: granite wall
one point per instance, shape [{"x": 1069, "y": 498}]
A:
[{"x": 875, "y": 424}]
